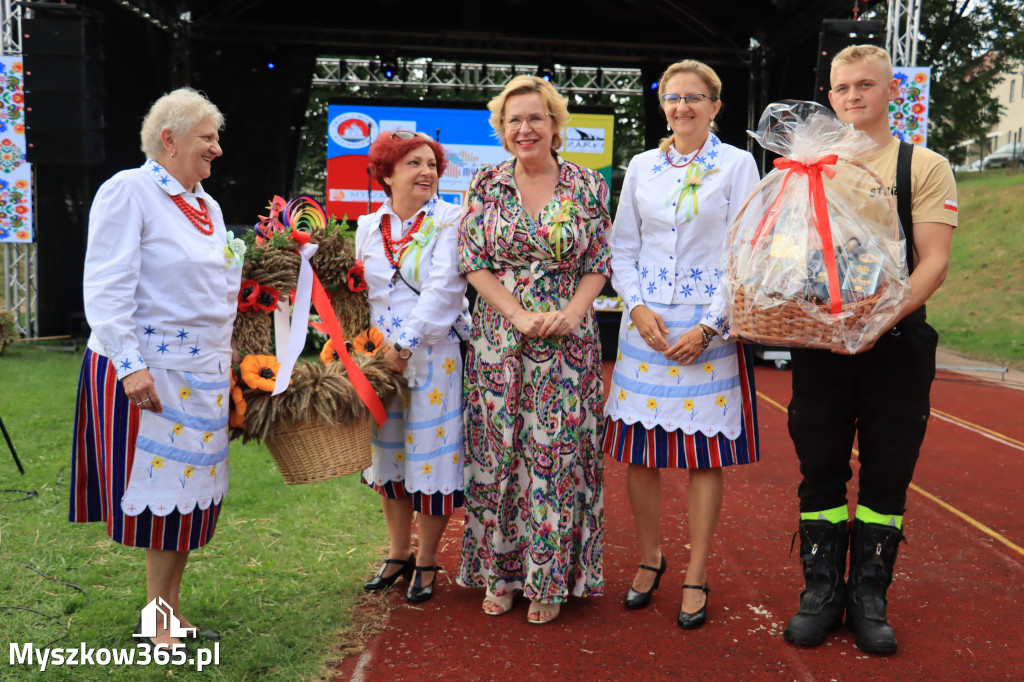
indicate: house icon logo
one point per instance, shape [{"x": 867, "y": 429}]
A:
[{"x": 159, "y": 611}]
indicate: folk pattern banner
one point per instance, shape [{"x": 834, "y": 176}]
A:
[
  {"x": 908, "y": 113},
  {"x": 15, "y": 172}
]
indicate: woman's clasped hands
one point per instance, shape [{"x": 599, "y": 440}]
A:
[
  {"x": 654, "y": 332},
  {"x": 543, "y": 325}
]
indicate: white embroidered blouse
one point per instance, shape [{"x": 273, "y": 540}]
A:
[
  {"x": 158, "y": 292},
  {"x": 669, "y": 228}
]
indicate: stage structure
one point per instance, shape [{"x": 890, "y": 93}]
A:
[
  {"x": 442, "y": 75},
  {"x": 908, "y": 115},
  {"x": 902, "y": 26},
  {"x": 20, "y": 291}
]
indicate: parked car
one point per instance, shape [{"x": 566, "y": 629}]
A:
[{"x": 1008, "y": 155}]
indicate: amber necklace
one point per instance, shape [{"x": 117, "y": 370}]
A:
[
  {"x": 695, "y": 155},
  {"x": 200, "y": 218},
  {"x": 393, "y": 248}
]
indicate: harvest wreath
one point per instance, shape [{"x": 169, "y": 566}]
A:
[{"x": 315, "y": 417}]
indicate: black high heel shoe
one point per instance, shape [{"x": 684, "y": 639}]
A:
[
  {"x": 379, "y": 582},
  {"x": 692, "y": 621},
  {"x": 417, "y": 593},
  {"x": 638, "y": 600}
]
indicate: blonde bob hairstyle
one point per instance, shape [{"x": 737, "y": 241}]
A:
[
  {"x": 557, "y": 106},
  {"x": 178, "y": 111},
  {"x": 862, "y": 53},
  {"x": 702, "y": 71}
]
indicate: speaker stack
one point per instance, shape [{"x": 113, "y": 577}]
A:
[
  {"x": 835, "y": 35},
  {"x": 63, "y": 89}
]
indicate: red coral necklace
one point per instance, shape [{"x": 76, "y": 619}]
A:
[
  {"x": 200, "y": 218},
  {"x": 393, "y": 248},
  {"x": 695, "y": 155}
]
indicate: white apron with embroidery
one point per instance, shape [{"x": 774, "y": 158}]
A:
[
  {"x": 421, "y": 443},
  {"x": 181, "y": 455}
]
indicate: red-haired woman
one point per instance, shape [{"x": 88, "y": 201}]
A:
[{"x": 417, "y": 300}]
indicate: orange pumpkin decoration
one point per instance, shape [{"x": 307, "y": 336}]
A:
[
  {"x": 327, "y": 355},
  {"x": 260, "y": 371},
  {"x": 236, "y": 415},
  {"x": 369, "y": 342}
]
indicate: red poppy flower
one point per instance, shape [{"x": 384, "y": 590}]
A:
[
  {"x": 247, "y": 294},
  {"x": 356, "y": 282},
  {"x": 266, "y": 299}
]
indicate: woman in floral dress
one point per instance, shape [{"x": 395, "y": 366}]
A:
[
  {"x": 417, "y": 302},
  {"x": 681, "y": 393},
  {"x": 532, "y": 243}
]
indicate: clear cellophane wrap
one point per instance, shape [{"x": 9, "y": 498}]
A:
[{"x": 816, "y": 256}]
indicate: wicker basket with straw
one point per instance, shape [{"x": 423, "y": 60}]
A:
[{"x": 319, "y": 428}]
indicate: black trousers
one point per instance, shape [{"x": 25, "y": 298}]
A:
[{"x": 882, "y": 397}]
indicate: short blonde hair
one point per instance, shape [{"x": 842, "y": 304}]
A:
[
  {"x": 178, "y": 111},
  {"x": 557, "y": 105},
  {"x": 859, "y": 53},
  {"x": 699, "y": 69}
]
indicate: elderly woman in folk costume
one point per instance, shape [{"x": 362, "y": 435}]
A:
[
  {"x": 150, "y": 448},
  {"x": 682, "y": 395},
  {"x": 408, "y": 249}
]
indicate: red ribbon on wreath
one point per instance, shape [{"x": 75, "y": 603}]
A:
[
  {"x": 819, "y": 206},
  {"x": 329, "y": 323}
]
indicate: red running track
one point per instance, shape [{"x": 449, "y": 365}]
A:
[{"x": 955, "y": 602}]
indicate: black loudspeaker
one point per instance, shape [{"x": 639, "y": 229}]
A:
[
  {"x": 835, "y": 35},
  {"x": 63, "y": 89}
]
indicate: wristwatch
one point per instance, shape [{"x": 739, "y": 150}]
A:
[{"x": 403, "y": 352}]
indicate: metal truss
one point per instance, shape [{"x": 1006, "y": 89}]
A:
[
  {"x": 20, "y": 293},
  {"x": 902, "y": 27},
  {"x": 11, "y": 27},
  {"x": 425, "y": 73}
]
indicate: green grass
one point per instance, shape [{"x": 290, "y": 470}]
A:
[
  {"x": 979, "y": 310},
  {"x": 281, "y": 579}
]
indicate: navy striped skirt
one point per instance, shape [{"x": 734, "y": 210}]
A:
[
  {"x": 436, "y": 504},
  {"x": 102, "y": 453}
]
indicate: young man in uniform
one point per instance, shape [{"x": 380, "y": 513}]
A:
[{"x": 881, "y": 394}]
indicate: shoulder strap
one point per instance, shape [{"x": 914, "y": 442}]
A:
[
  {"x": 904, "y": 200},
  {"x": 904, "y": 208}
]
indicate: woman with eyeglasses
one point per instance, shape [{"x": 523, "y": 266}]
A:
[
  {"x": 532, "y": 243},
  {"x": 682, "y": 393},
  {"x": 416, "y": 296}
]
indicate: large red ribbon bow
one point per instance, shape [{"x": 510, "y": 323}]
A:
[{"x": 819, "y": 206}]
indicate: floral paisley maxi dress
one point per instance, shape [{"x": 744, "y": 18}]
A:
[{"x": 533, "y": 496}]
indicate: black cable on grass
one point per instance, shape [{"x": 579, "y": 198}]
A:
[
  {"x": 60, "y": 582},
  {"x": 29, "y": 494},
  {"x": 67, "y": 629}
]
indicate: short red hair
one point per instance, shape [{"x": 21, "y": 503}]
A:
[{"x": 386, "y": 151}]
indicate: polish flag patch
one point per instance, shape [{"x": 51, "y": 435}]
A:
[{"x": 950, "y": 205}]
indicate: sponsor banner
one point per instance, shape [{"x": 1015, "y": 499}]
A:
[{"x": 465, "y": 134}]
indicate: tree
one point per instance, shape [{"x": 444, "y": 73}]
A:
[{"x": 970, "y": 46}]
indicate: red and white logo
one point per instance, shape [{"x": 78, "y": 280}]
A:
[{"x": 950, "y": 205}]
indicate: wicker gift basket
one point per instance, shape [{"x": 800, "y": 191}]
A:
[
  {"x": 815, "y": 256},
  {"x": 316, "y": 418}
]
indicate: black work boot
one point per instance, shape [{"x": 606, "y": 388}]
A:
[
  {"x": 823, "y": 553},
  {"x": 872, "y": 556}
]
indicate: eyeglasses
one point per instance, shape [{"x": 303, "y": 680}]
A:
[
  {"x": 535, "y": 121},
  {"x": 408, "y": 135},
  {"x": 694, "y": 98}
]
